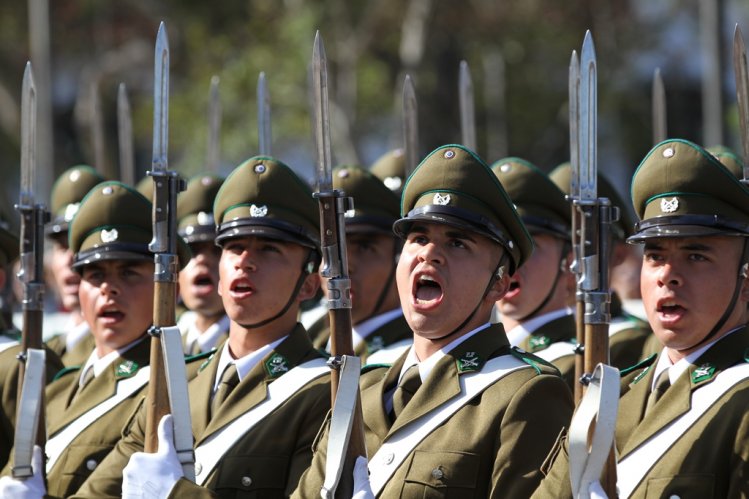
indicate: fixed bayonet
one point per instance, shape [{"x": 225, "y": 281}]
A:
[
  {"x": 467, "y": 110},
  {"x": 741, "y": 70},
  {"x": 588, "y": 120},
  {"x": 125, "y": 136},
  {"x": 410, "y": 126},
  {"x": 214, "y": 126},
  {"x": 659, "y": 108},
  {"x": 97, "y": 130},
  {"x": 263, "y": 116}
]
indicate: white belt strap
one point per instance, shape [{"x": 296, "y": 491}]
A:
[
  {"x": 632, "y": 469},
  {"x": 29, "y": 407},
  {"x": 556, "y": 351},
  {"x": 212, "y": 450},
  {"x": 390, "y": 353},
  {"x": 62, "y": 439},
  {"x": 393, "y": 452}
]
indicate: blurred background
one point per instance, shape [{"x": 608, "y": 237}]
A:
[{"x": 518, "y": 54}]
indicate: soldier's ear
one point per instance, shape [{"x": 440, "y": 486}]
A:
[
  {"x": 500, "y": 287},
  {"x": 309, "y": 287}
]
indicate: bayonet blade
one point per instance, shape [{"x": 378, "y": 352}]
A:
[
  {"x": 263, "y": 116},
  {"x": 324, "y": 174},
  {"x": 741, "y": 69},
  {"x": 467, "y": 112},
  {"x": 588, "y": 120},
  {"x": 28, "y": 139},
  {"x": 161, "y": 101},
  {"x": 574, "y": 96},
  {"x": 125, "y": 136},
  {"x": 659, "y": 108},
  {"x": 410, "y": 126},
  {"x": 97, "y": 130},
  {"x": 214, "y": 125}
]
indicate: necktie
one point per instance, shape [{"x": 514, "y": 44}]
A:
[
  {"x": 410, "y": 382},
  {"x": 85, "y": 380},
  {"x": 229, "y": 379},
  {"x": 661, "y": 385}
]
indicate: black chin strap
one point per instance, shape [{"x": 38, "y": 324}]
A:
[
  {"x": 741, "y": 275},
  {"x": 547, "y": 298}
]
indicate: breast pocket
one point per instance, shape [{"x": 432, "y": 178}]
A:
[
  {"x": 75, "y": 466},
  {"x": 441, "y": 474},
  {"x": 695, "y": 486},
  {"x": 243, "y": 476}
]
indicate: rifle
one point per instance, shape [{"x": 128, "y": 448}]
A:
[
  {"x": 125, "y": 137},
  {"x": 168, "y": 379},
  {"x": 741, "y": 70},
  {"x": 264, "y": 137},
  {"x": 30, "y": 426},
  {"x": 346, "y": 443},
  {"x": 467, "y": 112},
  {"x": 214, "y": 126},
  {"x": 659, "y": 108},
  {"x": 410, "y": 127}
]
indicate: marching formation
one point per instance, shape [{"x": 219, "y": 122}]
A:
[{"x": 432, "y": 326}]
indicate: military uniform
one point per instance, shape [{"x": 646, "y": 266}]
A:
[{"x": 559, "y": 332}]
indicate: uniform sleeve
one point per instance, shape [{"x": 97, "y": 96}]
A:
[{"x": 312, "y": 478}]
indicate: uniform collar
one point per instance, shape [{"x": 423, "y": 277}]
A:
[
  {"x": 100, "y": 364},
  {"x": 246, "y": 363},
  {"x": 521, "y": 332}
]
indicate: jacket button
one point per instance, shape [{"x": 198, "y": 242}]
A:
[
  {"x": 91, "y": 465},
  {"x": 388, "y": 458},
  {"x": 246, "y": 481},
  {"x": 674, "y": 496},
  {"x": 437, "y": 474},
  {"x": 198, "y": 468}
]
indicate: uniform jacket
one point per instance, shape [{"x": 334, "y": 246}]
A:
[
  {"x": 491, "y": 447},
  {"x": 264, "y": 463},
  {"x": 627, "y": 337},
  {"x": 561, "y": 329},
  {"x": 78, "y": 355},
  {"x": 710, "y": 459}
]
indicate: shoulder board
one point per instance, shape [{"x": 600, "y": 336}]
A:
[
  {"x": 643, "y": 363},
  {"x": 199, "y": 356},
  {"x": 533, "y": 361},
  {"x": 372, "y": 367},
  {"x": 62, "y": 372}
]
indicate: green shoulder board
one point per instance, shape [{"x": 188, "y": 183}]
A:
[
  {"x": 533, "y": 361},
  {"x": 642, "y": 363},
  {"x": 62, "y": 372}
]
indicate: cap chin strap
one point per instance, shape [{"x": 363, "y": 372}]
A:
[
  {"x": 741, "y": 275},
  {"x": 547, "y": 298},
  {"x": 306, "y": 270},
  {"x": 386, "y": 288},
  {"x": 498, "y": 273}
]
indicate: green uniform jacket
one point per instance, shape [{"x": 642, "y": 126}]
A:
[
  {"x": 491, "y": 447},
  {"x": 561, "y": 329},
  {"x": 78, "y": 355},
  {"x": 9, "y": 388},
  {"x": 710, "y": 459},
  {"x": 267, "y": 461},
  {"x": 627, "y": 337},
  {"x": 391, "y": 332}
]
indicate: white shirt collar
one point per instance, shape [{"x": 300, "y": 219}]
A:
[
  {"x": 75, "y": 334},
  {"x": 244, "y": 364},
  {"x": 519, "y": 333},
  {"x": 364, "y": 329},
  {"x": 206, "y": 339},
  {"x": 100, "y": 364}
]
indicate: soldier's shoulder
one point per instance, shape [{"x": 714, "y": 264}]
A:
[
  {"x": 635, "y": 373},
  {"x": 538, "y": 364},
  {"x": 373, "y": 373},
  {"x": 66, "y": 372}
]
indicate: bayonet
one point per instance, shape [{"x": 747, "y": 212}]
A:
[
  {"x": 588, "y": 120},
  {"x": 741, "y": 70},
  {"x": 97, "y": 130},
  {"x": 467, "y": 112},
  {"x": 410, "y": 126},
  {"x": 125, "y": 136},
  {"x": 214, "y": 126},
  {"x": 659, "y": 108},
  {"x": 263, "y": 116}
]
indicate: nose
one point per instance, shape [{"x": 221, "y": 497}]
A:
[
  {"x": 245, "y": 261},
  {"x": 431, "y": 253},
  {"x": 669, "y": 275},
  {"x": 109, "y": 288}
]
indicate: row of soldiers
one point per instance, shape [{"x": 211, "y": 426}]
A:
[{"x": 462, "y": 308}]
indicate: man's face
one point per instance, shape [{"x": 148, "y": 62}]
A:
[
  {"x": 442, "y": 276},
  {"x": 116, "y": 299},
  {"x": 257, "y": 276},
  {"x": 65, "y": 279},
  {"x": 533, "y": 281},
  {"x": 371, "y": 265},
  {"x": 687, "y": 284},
  {"x": 198, "y": 281}
]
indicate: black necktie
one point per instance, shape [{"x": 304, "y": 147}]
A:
[{"x": 410, "y": 382}]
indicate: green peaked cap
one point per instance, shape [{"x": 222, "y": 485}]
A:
[
  {"x": 195, "y": 220},
  {"x": 375, "y": 206},
  {"x": 453, "y": 186},
  {"x": 67, "y": 193}
]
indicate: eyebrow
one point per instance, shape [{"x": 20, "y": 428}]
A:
[{"x": 689, "y": 247}]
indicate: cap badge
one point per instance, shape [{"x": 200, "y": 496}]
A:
[
  {"x": 669, "y": 205},
  {"x": 505, "y": 168},
  {"x": 205, "y": 218},
  {"x": 277, "y": 365},
  {"x": 206, "y": 181},
  {"x": 668, "y": 152},
  {"x": 343, "y": 173},
  {"x": 70, "y": 211},
  {"x": 107, "y": 190},
  {"x": 349, "y": 213},
  {"x": 189, "y": 230},
  {"x": 258, "y": 211},
  {"x": 440, "y": 199},
  {"x": 469, "y": 362},
  {"x": 74, "y": 175},
  {"x": 449, "y": 154},
  {"x": 260, "y": 168},
  {"x": 109, "y": 236},
  {"x": 393, "y": 183}
]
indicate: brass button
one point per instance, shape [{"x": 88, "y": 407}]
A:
[{"x": 246, "y": 481}]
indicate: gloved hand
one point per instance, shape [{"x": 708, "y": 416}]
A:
[
  {"x": 362, "y": 490},
  {"x": 596, "y": 491},
  {"x": 29, "y": 488},
  {"x": 152, "y": 476}
]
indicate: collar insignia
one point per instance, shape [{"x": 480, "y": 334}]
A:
[
  {"x": 258, "y": 211},
  {"x": 538, "y": 342},
  {"x": 440, "y": 199},
  {"x": 470, "y": 362},
  {"x": 641, "y": 375},
  {"x": 277, "y": 365},
  {"x": 376, "y": 343},
  {"x": 207, "y": 361},
  {"x": 109, "y": 236},
  {"x": 126, "y": 369},
  {"x": 669, "y": 205},
  {"x": 703, "y": 372}
]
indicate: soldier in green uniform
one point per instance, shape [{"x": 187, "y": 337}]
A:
[
  {"x": 87, "y": 405},
  {"x": 258, "y": 403},
  {"x": 683, "y": 427},
  {"x": 535, "y": 309},
  {"x": 373, "y": 249},
  {"x": 390, "y": 168},
  {"x": 204, "y": 325},
  {"x": 73, "y": 341},
  {"x": 461, "y": 413}
]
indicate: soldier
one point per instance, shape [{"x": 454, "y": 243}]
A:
[
  {"x": 501, "y": 408},
  {"x": 628, "y": 330},
  {"x": 72, "y": 339},
  {"x": 373, "y": 251},
  {"x": 257, "y": 439},
  {"x": 87, "y": 405},
  {"x": 535, "y": 309},
  {"x": 682, "y": 427},
  {"x": 204, "y": 325},
  {"x": 390, "y": 168}
]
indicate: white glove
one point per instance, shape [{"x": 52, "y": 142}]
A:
[
  {"x": 596, "y": 491},
  {"x": 362, "y": 490},
  {"x": 29, "y": 488},
  {"x": 152, "y": 476}
]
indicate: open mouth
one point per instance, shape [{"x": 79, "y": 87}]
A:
[
  {"x": 670, "y": 311},
  {"x": 111, "y": 315},
  {"x": 513, "y": 290},
  {"x": 241, "y": 288},
  {"x": 427, "y": 291},
  {"x": 203, "y": 284}
]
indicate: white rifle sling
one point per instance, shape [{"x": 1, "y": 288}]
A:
[
  {"x": 400, "y": 444},
  {"x": 556, "y": 351},
  {"x": 341, "y": 423},
  {"x": 208, "y": 453},
  {"x": 28, "y": 412},
  {"x": 633, "y": 468},
  {"x": 125, "y": 388},
  {"x": 179, "y": 401},
  {"x": 600, "y": 403}
]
